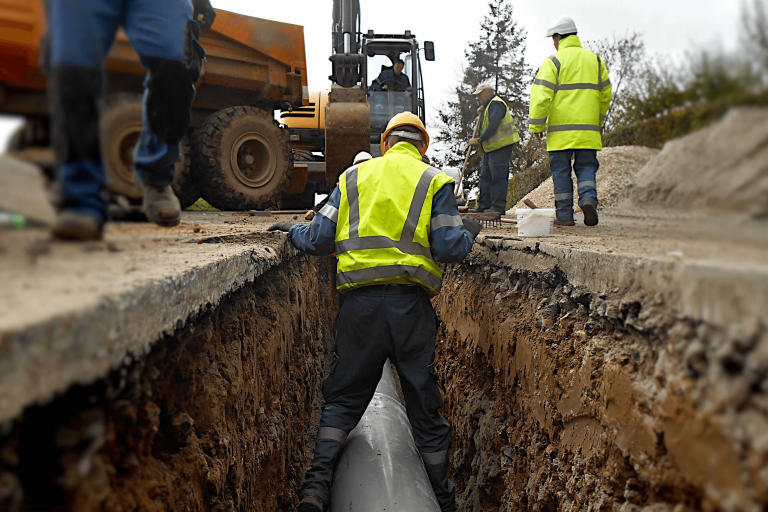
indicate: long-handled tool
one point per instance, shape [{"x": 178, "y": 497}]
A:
[{"x": 466, "y": 160}]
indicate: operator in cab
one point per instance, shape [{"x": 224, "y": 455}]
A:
[{"x": 392, "y": 79}]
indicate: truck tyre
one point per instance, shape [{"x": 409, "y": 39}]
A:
[
  {"x": 120, "y": 126},
  {"x": 241, "y": 159}
]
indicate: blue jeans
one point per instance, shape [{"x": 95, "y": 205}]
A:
[
  {"x": 81, "y": 35},
  {"x": 494, "y": 180},
  {"x": 585, "y": 165}
]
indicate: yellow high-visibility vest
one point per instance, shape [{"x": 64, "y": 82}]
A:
[
  {"x": 384, "y": 222},
  {"x": 506, "y": 134},
  {"x": 570, "y": 98}
]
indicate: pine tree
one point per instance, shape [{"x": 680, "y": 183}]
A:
[{"x": 495, "y": 58}]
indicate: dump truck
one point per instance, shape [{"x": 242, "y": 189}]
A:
[
  {"x": 235, "y": 152},
  {"x": 335, "y": 125}
]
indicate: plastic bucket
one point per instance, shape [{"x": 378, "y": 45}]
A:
[{"x": 533, "y": 223}]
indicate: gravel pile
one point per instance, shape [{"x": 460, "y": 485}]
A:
[{"x": 618, "y": 167}]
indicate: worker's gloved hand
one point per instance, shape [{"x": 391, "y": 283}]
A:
[
  {"x": 204, "y": 13},
  {"x": 282, "y": 226},
  {"x": 472, "y": 226}
]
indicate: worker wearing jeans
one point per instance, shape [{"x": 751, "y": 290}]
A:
[
  {"x": 390, "y": 221},
  {"x": 497, "y": 138},
  {"x": 165, "y": 36},
  {"x": 570, "y": 98}
]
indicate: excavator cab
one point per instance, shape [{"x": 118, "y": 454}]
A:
[{"x": 382, "y": 51}]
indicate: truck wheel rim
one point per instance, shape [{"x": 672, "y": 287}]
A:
[
  {"x": 253, "y": 160},
  {"x": 121, "y": 152}
]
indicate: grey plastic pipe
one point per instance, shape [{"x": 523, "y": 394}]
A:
[{"x": 379, "y": 469}]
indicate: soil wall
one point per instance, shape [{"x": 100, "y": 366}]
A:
[
  {"x": 568, "y": 398},
  {"x": 216, "y": 417}
]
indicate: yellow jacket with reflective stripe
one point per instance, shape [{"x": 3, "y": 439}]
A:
[
  {"x": 570, "y": 98},
  {"x": 382, "y": 234},
  {"x": 506, "y": 134}
]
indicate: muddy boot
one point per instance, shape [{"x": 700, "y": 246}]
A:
[
  {"x": 564, "y": 222},
  {"x": 77, "y": 226},
  {"x": 161, "y": 206},
  {"x": 590, "y": 214},
  {"x": 315, "y": 490},
  {"x": 445, "y": 491}
]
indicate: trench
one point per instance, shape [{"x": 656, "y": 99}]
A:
[{"x": 559, "y": 398}]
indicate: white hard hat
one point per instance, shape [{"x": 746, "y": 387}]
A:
[
  {"x": 481, "y": 88},
  {"x": 562, "y": 26},
  {"x": 362, "y": 157}
]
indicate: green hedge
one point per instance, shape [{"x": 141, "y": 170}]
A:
[{"x": 653, "y": 133}]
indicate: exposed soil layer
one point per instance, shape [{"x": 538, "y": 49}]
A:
[
  {"x": 569, "y": 398},
  {"x": 215, "y": 417}
]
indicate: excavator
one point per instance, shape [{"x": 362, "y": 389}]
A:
[{"x": 327, "y": 133}]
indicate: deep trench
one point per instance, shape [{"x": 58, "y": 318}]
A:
[{"x": 221, "y": 415}]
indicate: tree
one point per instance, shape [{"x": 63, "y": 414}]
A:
[
  {"x": 495, "y": 58},
  {"x": 624, "y": 57}
]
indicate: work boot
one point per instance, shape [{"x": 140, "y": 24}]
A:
[
  {"x": 161, "y": 206},
  {"x": 477, "y": 210},
  {"x": 564, "y": 222},
  {"x": 590, "y": 214},
  {"x": 445, "y": 491},
  {"x": 310, "y": 504},
  {"x": 77, "y": 226}
]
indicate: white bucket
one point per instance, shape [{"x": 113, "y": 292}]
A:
[{"x": 538, "y": 222}]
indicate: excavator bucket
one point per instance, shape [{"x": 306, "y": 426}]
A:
[{"x": 347, "y": 129}]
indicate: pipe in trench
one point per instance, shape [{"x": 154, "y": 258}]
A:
[{"x": 379, "y": 468}]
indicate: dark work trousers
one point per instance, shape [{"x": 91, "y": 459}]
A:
[
  {"x": 376, "y": 323},
  {"x": 585, "y": 165},
  {"x": 494, "y": 180},
  {"x": 81, "y": 35}
]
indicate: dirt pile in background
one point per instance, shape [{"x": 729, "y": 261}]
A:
[
  {"x": 618, "y": 167},
  {"x": 571, "y": 399},
  {"x": 723, "y": 168},
  {"x": 214, "y": 418}
]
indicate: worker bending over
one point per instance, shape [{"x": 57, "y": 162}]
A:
[
  {"x": 390, "y": 222},
  {"x": 165, "y": 35},
  {"x": 497, "y": 138},
  {"x": 570, "y": 99}
]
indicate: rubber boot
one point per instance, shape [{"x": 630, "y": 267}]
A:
[
  {"x": 590, "y": 214},
  {"x": 445, "y": 491},
  {"x": 161, "y": 206},
  {"x": 77, "y": 226},
  {"x": 316, "y": 487}
]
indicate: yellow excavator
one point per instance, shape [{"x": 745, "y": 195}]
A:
[{"x": 327, "y": 133}]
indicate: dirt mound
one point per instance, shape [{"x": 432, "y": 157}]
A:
[
  {"x": 618, "y": 167},
  {"x": 723, "y": 168}
]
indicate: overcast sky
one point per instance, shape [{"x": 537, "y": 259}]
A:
[{"x": 669, "y": 26}]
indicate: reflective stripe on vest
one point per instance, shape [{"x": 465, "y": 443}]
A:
[
  {"x": 506, "y": 134},
  {"x": 391, "y": 247}
]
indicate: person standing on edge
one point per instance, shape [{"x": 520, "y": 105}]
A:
[
  {"x": 497, "y": 138},
  {"x": 390, "y": 221},
  {"x": 570, "y": 99},
  {"x": 165, "y": 35}
]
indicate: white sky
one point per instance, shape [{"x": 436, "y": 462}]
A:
[{"x": 669, "y": 26}]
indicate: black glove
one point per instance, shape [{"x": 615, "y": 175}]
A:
[
  {"x": 282, "y": 226},
  {"x": 203, "y": 8},
  {"x": 472, "y": 226}
]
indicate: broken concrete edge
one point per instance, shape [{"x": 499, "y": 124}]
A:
[
  {"x": 79, "y": 347},
  {"x": 699, "y": 290}
]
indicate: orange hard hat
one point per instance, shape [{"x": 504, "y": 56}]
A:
[{"x": 404, "y": 119}]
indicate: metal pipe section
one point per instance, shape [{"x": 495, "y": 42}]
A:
[{"x": 379, "y": 467}]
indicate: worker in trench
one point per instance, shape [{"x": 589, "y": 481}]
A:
[
  {"x": 570, "y": 98},
  {"x": 165, "y": 35},
  {"x": 390, "y": 222},
  {"x": 498, "y": 135}
]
